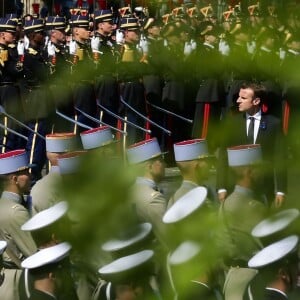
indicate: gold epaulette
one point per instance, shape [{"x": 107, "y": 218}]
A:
[
  {"x": 128, "y": 54},
  {"x": 3, "y": 56},
  {"x": 32, "y": 51},
  {"x": 11, "y": 46},
  {"x": 79, "y": 53}
]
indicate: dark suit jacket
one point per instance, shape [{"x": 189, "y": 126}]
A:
[
  {"x": 273, "y": 295},
  {"x": 272, "y": 142},
  {"x": 39, "y": 295}
]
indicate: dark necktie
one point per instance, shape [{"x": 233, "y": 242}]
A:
[{"x": 250, "y": 136}]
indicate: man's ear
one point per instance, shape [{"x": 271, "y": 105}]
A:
[
  {"x": 13, "y": 178},
  {"x": 51, "y": 276},
  {"x": 256, "y": 101},
  {"x": 284, "y": 275}
]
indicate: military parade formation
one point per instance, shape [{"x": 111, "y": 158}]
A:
[{"x": 97, "y": 106}]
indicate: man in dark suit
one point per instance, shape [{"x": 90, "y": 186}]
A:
[{"x": 252, "y": 126}]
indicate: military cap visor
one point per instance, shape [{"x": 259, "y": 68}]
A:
[
  {"x": 103, "y": 16},
  {"x": 14, "y": 161},
  {"x": 47, "y": 256},
  {"x": 79, "y": 21},
  {"x": 55, "y": 23},
  {"x": 35, "y": 25},
  {"x": 8, "y": 25},
  {"x": 129, "y": 24}
]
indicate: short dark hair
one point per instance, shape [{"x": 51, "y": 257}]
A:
[{"x": 259, "y": 90}]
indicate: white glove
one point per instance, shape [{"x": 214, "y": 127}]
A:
[
  {"x": 26, "y": 42},
  {"x": 193, "y": 44},
  {"x": 47, "y": 39},
  {"x": 95, "y": 42},
  {"x": 144, "y": 45},
  {"x": 187, "y": 49},
  {"x": 51, "y": 49},
  {"x": 224, "y": 48},
  {"x": 72, "y": 47},
  {"x": 251, "y": 46},
  {"x": 282, "y": 54},
  {"x": 20, "y": 48},
  {"x": 119, "y": 37}
]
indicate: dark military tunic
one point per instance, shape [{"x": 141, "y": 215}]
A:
[
  {"x": 38, "y": 105},
  {"x": 10, "y": 99},
  {"x": 106, "y": 85},
  {"x": 83, "y": 85}
]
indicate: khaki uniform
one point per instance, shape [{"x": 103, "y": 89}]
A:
[
  {"x": 241, "y": 211},
  {"x": 12, "y": 216},
  {"x": 45, "y": 193},
  {"x": 149, "y": 204},
  {"x": 185, "y": 187}
]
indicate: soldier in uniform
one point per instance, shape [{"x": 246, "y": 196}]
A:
[
  {"x": 266, "y": 69},
  {"x": 47, "y": 269},
  {"x": 243, "y": 209},
  {"x": 148, "y": 202},
  {"x": 13, "y": 214},
  {"x": 192, "y": 160},
  {"x": 291, "y": 93},
  {"x": 175, "y": 95},
  {"x": 46, "y": 191},
  {"x": 83, "y": 70},
  {"x": 106, "y": 86},
  {"x": 60, "y": 66},
  {"x": 11, "y": 72},
  {"x": 153, "y": 80},
  {"x": 37, "y": 99},
  {"x": 278, "y": 269},
  {"x": 130, "y": 70},
  {"x": 207, "y": 64}
]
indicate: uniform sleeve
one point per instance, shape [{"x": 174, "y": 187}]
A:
[{"x": 22, "y": 239}]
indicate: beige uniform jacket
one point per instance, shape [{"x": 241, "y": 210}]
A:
[
  {"x": 12, "y": 216},
  {"x": 46, "y": 192}
]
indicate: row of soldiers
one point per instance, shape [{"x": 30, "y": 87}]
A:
[
  {"x": 93, "y": 228},
  {"x": 187, "y": 72}
]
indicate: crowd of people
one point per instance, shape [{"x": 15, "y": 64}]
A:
[{"x": 93, "y": 109}]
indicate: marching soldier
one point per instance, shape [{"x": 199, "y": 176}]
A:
[
  {"x": 131, "y": 70},
  {"x": 11, "y": 72},
  {"x": 83, "y": 70},
  {"x": 60, "y": 65},
  {"x": 37, "y": 101},
  {"x": 208, "y": 68},
  {"x": 149, "y": 203},
  {"x": 192, "y": 159},
  {"x": 13, "y": 214},
  {"x": 266, "y": 69},
  {"x": 106, "y": 54}
]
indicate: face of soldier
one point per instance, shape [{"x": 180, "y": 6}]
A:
[
  {"x": 82, "y": 34},
  {"x": 154, "y": 31},
  {"x": 245, "y": 101},
  {"x": 132, "y": 36},
  {"x": 211, "y": 39},
  {"x": 106, "y": 28},
  {"x": 157, "y": 169},
  {"x": 39, "y": 38},
  {"x": 23, "y": 181},
  {"x": 58, "y": 37},
  {"x": 8, "y": 37}
]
